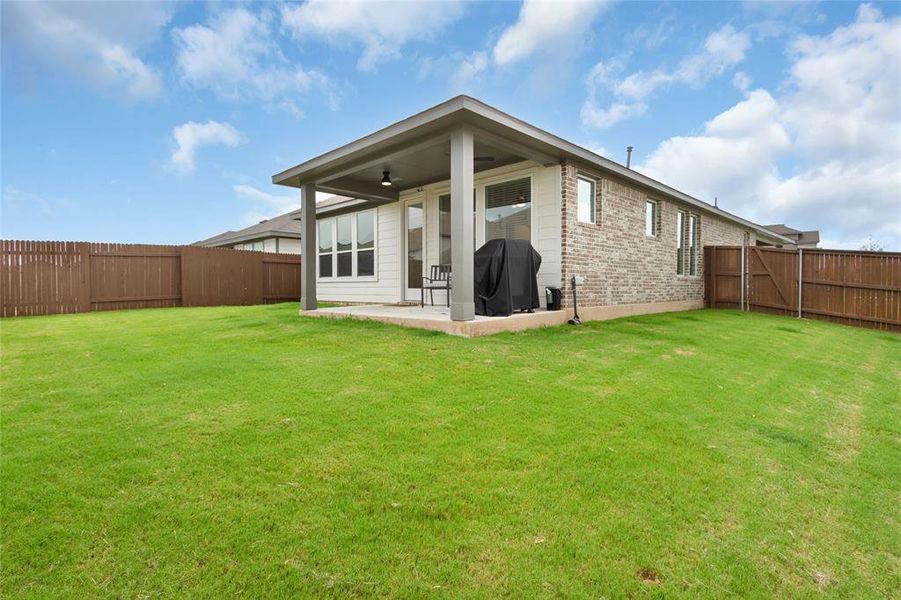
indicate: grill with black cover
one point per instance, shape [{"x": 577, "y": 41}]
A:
[{"x": 506, "y": 277}]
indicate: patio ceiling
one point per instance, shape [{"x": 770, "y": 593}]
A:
[
  {"x": 410, "y": 167},
  {"x": 430, "y": 164}
]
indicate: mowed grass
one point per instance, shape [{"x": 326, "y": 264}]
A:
[{"x": 246, "y": 451}]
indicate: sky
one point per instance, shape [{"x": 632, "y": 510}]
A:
[{"x": 164, "y": 122}]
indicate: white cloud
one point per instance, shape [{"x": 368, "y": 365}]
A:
[
  {"x": 469, "y": 68},
  {"x": 735, "y": 150},
  {"x": 383, "y": 28},
  {"x": 236, "y": 57},
  {"x": 741, "y": 81},
  {"x": 266, "y": 205},
  {"x": 722, "y": 49},
  {"x": 545, "y": 25},
  {"x": 280, "y": 203},
  {"x": 652, "y": 37},
  {"x": 23, "y": 201},
  {"x": 95, "y": 42},
  {"x": 601, "y": 118},
  {"x": 191, "y": 136},
  {"x": 838, "y": 122}
]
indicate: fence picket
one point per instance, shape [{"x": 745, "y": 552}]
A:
[{"x": 50, "y": 277}]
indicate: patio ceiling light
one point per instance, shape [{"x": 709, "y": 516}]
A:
[{"x": 386, "y": 178}]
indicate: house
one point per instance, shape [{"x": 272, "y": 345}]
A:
[
  {"x": 800, "y": 239},
  {"x": 433, "y": 187},
  {"x": 279, "y": 234}
]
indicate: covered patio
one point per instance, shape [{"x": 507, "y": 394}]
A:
[{"x": 453, "y": 142}]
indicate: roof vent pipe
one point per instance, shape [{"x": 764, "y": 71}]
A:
[{"x": 628, "y": 157}]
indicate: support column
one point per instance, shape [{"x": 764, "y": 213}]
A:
[
  {"x": 308, "y": 252},
  {"x": 461, "y": 168}
]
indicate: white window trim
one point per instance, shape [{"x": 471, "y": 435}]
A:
[
  {"x": 593, "y": 215},
  {"x": 689, "y": 233},
  {"x": 656, "y": 221},
  {"x": 333, "y": 221},
  {"x": 479, "y": 207},
  {"x": 694, "y": 242}
]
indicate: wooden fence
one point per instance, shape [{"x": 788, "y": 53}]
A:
[
  {"x": 851, "y": 287},
  {"x": 43, "y": 278}
]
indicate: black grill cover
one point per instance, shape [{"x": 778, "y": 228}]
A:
[{"x": 505, "y": 274}]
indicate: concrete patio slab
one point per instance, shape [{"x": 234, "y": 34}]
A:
[{"x": 437, "y": 318}]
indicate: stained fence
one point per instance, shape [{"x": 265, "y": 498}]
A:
[
  {"x": 43, "y": 278},
  {"x": 851, "y": 287}
]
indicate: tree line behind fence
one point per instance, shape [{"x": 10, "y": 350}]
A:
[
  {"x": 851, "y": 287},
  {"x": 43, "y": 278}
]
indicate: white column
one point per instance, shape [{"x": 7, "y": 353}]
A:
[
  {"x": 308, "y": 252},
  {"x": 461, "y": 161}
]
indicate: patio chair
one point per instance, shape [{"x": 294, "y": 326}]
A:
[{"x": 439, "y": 279}]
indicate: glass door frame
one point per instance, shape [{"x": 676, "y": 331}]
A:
[{"x": 413, "y": 294}]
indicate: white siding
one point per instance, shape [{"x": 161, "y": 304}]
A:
[
  {"x": 284, "y": 245},
  {"x": 386, "y": 287},
  {"x": 289, "y": 246},
  {"x": 546, "y": 218}
]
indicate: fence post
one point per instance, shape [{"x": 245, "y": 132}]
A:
[
  {"x": 87, "y": 291},
  {"x": 741, "y": 296},
  {"x": 800, "y": 281},
  {"x": 181, "y": 277}
]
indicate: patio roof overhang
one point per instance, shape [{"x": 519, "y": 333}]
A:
[{"x": 416, "y": 151}]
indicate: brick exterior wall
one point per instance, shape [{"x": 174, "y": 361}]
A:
[{"x": 621, "y": 264}]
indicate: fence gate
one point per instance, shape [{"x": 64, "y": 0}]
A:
[{"x": 851, "y": 287}]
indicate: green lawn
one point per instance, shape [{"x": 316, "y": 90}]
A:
[{"x": 246, "y": 451}]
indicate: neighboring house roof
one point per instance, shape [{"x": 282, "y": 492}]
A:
[
  {"x": 333, "y": 170},
  {"x": 799, "y": 237},
  {"x": 331, "y": 203},
  {"x": 283, "y": 226}
]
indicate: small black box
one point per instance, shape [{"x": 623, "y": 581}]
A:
[{"x": 554, "y": 298}]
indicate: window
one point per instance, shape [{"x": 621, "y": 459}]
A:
[
  {"x": 257, "y": 246},
  {"x": 347, "y": 245},
  {"x": 680, "y": 250},
  {"x": 508, "y": 210},
  {"x": 344, "y": 245},
  {"x": 325, "y": 248},
  {"x": 650, "y": 218},
  {"x": 694, "y": 239},
  {"x": 585, "y": 192},
  {"x": 365, "y": 244}
]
